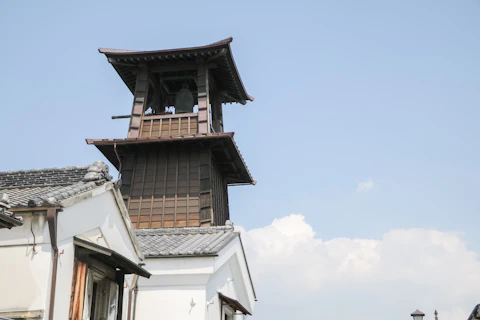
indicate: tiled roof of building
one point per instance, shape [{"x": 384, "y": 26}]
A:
[
  {"x": 475, "y": 313},
  {"x": 47, "y": 187},
  {"x": 43, "y": 177},
  {"x": 183, "y": 242},
  {"x": 7, "y": 219}
]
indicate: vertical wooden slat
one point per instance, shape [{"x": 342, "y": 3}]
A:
[
  {"x": 153, "y": 188},
  {"x": 176, "y": 189},
  {"x": 165, "y": 188},
  {"x": 179, "y": 125},
  {"x": 81, "y": 295},
  {"x": 160, "y": 130},
  {"x": 75, "y": 288},
  {"x": 170, "y": 126},
  {"x": 188, "y": 130},
  {"x": 142, "y": 188},
  {"x": 79, "y": 278},
  {"x": 188, "y": 183},
  {"x": 151, "y": 128},
  {"x": 135, "y": 158}
]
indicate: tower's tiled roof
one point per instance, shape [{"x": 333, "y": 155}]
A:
[
  {"x": 241, "y": 174},
  {"x": 46, "y": 187},
  {"x": 228, "y": 77},
  {"x": 181, "y": 242}
]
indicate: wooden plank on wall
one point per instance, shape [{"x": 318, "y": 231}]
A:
[{"x": 203, "y": 97}]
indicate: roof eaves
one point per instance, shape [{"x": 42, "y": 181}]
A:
[
  {"x": 203, "y": 255},
  {"x": 199, "y": 136},
  {"x": 248, "y": 269},
  {"x": 236, "y": 74},
  {"x": 127, "y": 222}
]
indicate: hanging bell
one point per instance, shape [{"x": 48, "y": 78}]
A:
[{"x": 184, "y": 100}]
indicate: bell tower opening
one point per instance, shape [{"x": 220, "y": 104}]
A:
[{"x": 177, "y": 162}]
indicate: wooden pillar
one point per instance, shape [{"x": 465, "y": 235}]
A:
[
  {"x": 217, "y": 113},
  {"x": 121, "y": 282},
  {"x": 203, "y": 97},
  {"x": 139, "y": 102},
  {"x": 206, "y": 205}
]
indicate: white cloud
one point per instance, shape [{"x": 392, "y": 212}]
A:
[
  {"x": 365, "y": 186},
  {"x": 299, "y": 276}
]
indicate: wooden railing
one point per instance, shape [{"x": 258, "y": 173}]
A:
[{"x": 169, "y": 125}]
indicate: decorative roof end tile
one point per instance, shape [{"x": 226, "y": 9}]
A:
[{"x": 98, "y": 171}]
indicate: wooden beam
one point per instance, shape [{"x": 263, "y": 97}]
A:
[
  {"x": 178, "y": 66},
  {"x": 217, "y": 113},
  {"x": 128, "y": 116},
  {"x": 170, "y": 78},
  {"x": 28, "y": 209},
  {"x": 139, "y": 102},
  {"x": 227, "y": 95}
]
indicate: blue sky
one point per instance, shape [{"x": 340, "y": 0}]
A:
[{"x": 346, "y": 92}]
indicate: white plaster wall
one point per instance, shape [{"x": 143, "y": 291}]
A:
[
  {"x": 28, "y": 275},
  {"x": 238, "y": 265},
  {"x": 171, "y": 302},
  {"x": 219, "y": 283},
  {"x": 174, "y": 283},
  {"x": 24, "y": 274},
  {"x": 24, "y": 278},
  {"x": 100, "y": 212}
]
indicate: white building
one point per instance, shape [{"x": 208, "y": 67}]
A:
[
  {"x": 74, "y": 222},
  {"x": 197, "y": 273}
]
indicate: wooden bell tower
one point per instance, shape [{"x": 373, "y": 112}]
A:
[{"x": 177, "y": 162}]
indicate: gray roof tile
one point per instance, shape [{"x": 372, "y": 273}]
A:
[
  {"x": 42, "y": 177},
  {"x": 45, "y": 187},
  {"x": 184, "y": 241}
]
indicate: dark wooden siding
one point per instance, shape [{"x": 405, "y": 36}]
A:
[
  {"x": 220, "y": 195},
  {"x": 162, "y": 186},
  {"x": 174, "y": 185}
]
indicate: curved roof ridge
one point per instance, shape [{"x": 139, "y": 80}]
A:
[
  {"x": 122, "y": 51},
  {"x": 45, "y": 169},
  {"x": 188, "y": 230}
]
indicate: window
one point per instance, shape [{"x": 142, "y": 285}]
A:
[
  {"x": 227, "y": 313},
  {"x": 95, "y": 291},
  {"x": 231, "y": 308},
  {"x": 101, "y": 295}
]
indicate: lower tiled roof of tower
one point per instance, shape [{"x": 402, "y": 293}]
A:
[
  {"x": 184, "y": 242},
  {"x": 108, "y": 146},
  {"x": 47, "y": 187}
]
